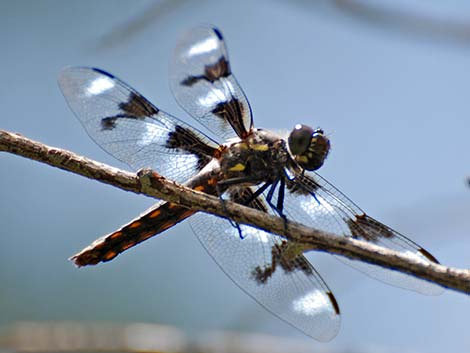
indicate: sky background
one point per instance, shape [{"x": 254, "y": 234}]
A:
[{"x": 387, "y": 81}]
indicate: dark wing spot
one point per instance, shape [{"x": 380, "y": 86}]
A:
[
  {"x": 191, "y": 80},
  {"x": 333, "y": 302},
  {"x": 108, "y": 123},
  {"x": 280, "y": 256},
  {"x": 137, "y": 106},
  {"x": 212, "y": 72},
  {"x": 367, "y": 228},
  {"x": 186, "y": 140},
  {"x": 228, "y": 110},
  {"x": 220, "y": 69},
  {"x": 289, "y": 263},
  {"x": 262, "y": 274},
  {"x": 232, "y": 112}
]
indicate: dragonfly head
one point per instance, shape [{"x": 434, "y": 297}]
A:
[{"x": 308, "y": 146}]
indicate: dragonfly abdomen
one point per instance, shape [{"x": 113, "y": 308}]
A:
[{"x": 151, "y": 223}]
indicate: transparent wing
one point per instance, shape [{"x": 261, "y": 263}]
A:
[
  {"x": 203, "y": 84},
  {"x": 290, "y": 288},
  {"x": 132, "y": 129},
  {"x": 313, "y": 201}
]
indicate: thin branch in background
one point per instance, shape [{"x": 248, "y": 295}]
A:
[
  {"x": 384, "y": 14},
  {"x": 396, "y": 17},
  {"x": 149, "y": 183},
  {"x": 412, "y": 22},
  {"x": 135, "y": 25}
]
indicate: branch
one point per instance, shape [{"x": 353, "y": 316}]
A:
[{"x": 147, "y": 182}]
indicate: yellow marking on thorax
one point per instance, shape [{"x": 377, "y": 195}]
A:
[
  {"x": 259, "y": 147},
  {"x": 302, "y": 159},
  {"x": 237, "y": 168}
]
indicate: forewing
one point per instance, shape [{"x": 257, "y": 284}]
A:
[
  {"x": 291, "y": 290},
  {"x": 313, "y": 201},
  {"x": 129, "y": 127},
  {"x": 203, "y": 84}
]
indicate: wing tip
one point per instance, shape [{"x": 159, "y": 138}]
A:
[
  {"x": 333, "y": 302},
  {"x": 217, "y": 32},
  {"x": 62, "y": 77},
  {"x": 67, "y": 72},
  {"x": 103, "y": 72},
  {"x": 428, "y": 255},
  {"x": 207, "y": 27}
]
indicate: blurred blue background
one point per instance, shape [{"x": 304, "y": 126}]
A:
[{"x": 387, "y": 80}]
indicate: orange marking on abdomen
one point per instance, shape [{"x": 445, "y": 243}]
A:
[
  {"x": 109, "y": 255},
  {"x": 166, "y": 225},
  {"x": 147, "y": 235},
  {"x": 127, "y": 246},
  {"x": 199, "y": 188},
  {"x": 115, "y": 235},
  {"x": 212, "y": 181},
  {"x": 149, "y": 225},
  {"x": 186, "y": 214},
  {"x": 155, "y": 213},
  {"x": 134, "y": 225}
]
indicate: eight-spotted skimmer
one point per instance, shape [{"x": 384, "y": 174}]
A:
[{"x": 252, "y": 166}]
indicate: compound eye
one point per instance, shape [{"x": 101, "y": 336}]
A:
[{"x": 299, "y": 139}]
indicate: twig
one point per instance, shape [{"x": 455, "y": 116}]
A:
[{"x": 151, "y": 184}]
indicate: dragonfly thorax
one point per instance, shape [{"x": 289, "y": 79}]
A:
[{"x": 260, "y": 157}]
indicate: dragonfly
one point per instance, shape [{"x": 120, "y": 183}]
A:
[{"x": 235, "y": 161}]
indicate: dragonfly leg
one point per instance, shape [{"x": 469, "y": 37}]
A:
[
  {"x": 221, "y": 187},
  {"x": 279, "y": 207},
  {"x": 256, "y": 194},
  {"x": 220, "y": 190}
]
